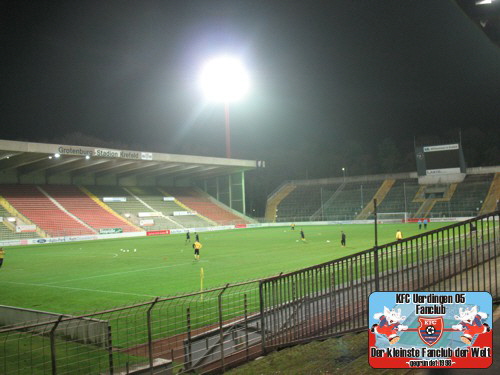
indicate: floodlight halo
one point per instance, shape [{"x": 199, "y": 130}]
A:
[{"x": 225, "y": 79}]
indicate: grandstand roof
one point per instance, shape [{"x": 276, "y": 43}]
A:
[{"x": 27, "y": 157}]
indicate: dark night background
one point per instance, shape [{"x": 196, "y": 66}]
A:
[{"x": 335, "y": 83}]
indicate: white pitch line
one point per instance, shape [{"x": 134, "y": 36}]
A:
[
  {"x": 120, "y": 273},
  {"x": 84, "y": 289}
]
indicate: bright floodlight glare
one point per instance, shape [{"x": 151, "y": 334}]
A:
[{"x": 224, "y": 79}]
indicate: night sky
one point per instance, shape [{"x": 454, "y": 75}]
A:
[{"x": 334, "y": 83}]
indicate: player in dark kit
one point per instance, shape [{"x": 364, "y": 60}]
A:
[
  {"x": 188, "y": 237},
  {"x": 302, "y": 236},
  {"x": 197, "y": 237},
  {"x": 342, "y": 239}
]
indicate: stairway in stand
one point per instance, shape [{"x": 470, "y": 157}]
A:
[
  {"x": 203, "y": 205},
  {"x": 82, "y": 206}
]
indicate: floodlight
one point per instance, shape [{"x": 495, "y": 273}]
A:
[
  {"x": 224, "y": 79},
  {"x": 483, "y": 2}
]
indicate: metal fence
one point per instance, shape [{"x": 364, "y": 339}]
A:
[
  {"x": 217, "y": 329},
  {"x": 332, "y": 298}
]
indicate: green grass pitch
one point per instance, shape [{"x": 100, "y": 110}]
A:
[{"x": 79, "y": 277}]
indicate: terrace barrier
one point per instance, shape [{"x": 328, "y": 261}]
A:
[{"x": 220, "y": 328}]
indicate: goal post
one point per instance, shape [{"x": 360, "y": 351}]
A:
[{"x": 392, "y": 217}]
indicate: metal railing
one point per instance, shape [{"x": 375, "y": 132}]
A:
[
  {"x": 220, "y": 328},
  {"x": 332, "y": 298}
]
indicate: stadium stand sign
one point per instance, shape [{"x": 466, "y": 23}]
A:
[
  {"x": 105, "y": 153},
  {"x": 184, "y": 213},
  {"x": 25, "y": 228},
  {"x": 149, "y": 214},
  {"x": 146, "y": 222},
  {"x": 79, "y": 151},
  {"x": 110, "y": 230},
  {"x": 114, "y": 199},
  {"x": 157, "y": 232}
]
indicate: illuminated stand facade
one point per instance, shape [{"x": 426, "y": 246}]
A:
[{"x": 55, "y": 164}]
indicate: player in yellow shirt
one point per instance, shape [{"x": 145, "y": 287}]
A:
[
  {"x": 197, "y": 246},
  {"x": 2, "y": 254},
  {"x": 399, "y": 235}
]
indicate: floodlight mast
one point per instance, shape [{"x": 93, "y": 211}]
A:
[
  {"x": 228, "y": 133},
  {"x": 224, "y": 79}
]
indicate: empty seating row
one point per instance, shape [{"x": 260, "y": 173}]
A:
[
  {"x": 400, "y": 197},
  {"x": 467, "y": 199},
  {"x": 303, "y": 202},
  {"x": 350, "y": 201},
  {"x": 205, "y": 206},
  {"x": 42, "y": 211},
  {"x": 330, "y": 202},
  {"x": 139, "y": 200},
  {"x": 87, "y": 210},
  {"x": 8, "y": 232}
]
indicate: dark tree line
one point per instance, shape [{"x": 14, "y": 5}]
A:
[{"x": 313, "y": 161}]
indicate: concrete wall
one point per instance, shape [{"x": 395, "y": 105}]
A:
[
  {"x": 64, "y": 179},
  {"x": 84, "y": 180},
  {"x": 84, "y": 330},
  {"x": 8, "y": 177}
]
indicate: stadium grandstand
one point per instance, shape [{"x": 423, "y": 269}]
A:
[
  {"x": 399, "y": 196},
  {"x": 56, "y": 191},
  {"x": 53, "y": 191},
  {"x": 441, "y": 187}
]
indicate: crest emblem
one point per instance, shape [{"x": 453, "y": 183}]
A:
[{"x": 430, "y": 329}]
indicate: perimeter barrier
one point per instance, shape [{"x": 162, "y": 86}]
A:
[{"x": 214, "y": 330}]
